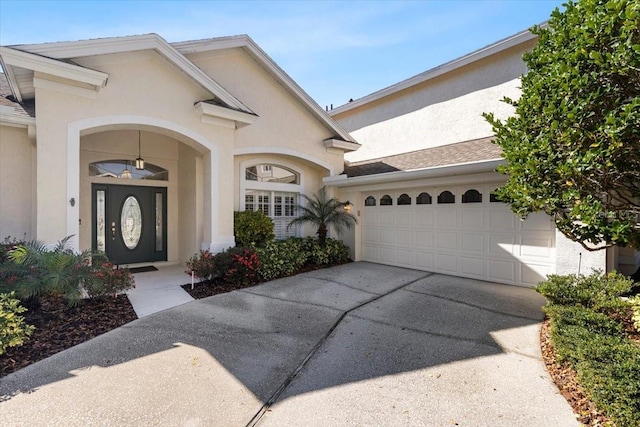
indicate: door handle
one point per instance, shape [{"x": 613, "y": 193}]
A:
[{"x": 113, "y": 231}]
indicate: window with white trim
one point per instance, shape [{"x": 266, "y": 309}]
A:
[{"x": 271, "y": 188}]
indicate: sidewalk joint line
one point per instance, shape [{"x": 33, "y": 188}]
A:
[{"x": 276, "y": 395}]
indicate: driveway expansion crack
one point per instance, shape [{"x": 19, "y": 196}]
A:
[
  {"x": 276, "y": 395},
  {"x": 345, "y": 285},
  {"x": 474, "y": 305}
]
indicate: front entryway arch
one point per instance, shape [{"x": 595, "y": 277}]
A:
[{"x": 201, "y": 152}]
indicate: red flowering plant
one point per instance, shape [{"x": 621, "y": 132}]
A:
[
  {"x": 201, "y": 265},
  {"x": 106, "y": 279},
  {"x": 243, "y": 267}
]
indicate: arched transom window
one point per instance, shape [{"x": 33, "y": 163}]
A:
[{"x": 119, "y": 168}]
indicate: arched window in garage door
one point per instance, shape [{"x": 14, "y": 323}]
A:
[
  {"x": 370, "y": 201},
  {"x": 404, "y": 199},
  {"x": 423, "y": 199},
  {"x": 386, "y": 200},
  {"x": 446, "y": 197},
  {"x": 472, "y": 196}
]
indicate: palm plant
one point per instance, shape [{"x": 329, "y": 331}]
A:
[
  {"x": 34, "y": 270},
  {"x": 324, "y": 212}
]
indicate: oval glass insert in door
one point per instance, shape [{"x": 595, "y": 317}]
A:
[{"x": 131, "y": 222}]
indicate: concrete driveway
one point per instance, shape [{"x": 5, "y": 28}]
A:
[{"x": 361, "y": 344}]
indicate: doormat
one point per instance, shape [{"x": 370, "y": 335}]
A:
[{"x": 143, "y": 269}]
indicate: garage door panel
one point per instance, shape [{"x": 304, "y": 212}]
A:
[
  {"x": 535, "y": 247},
  {"x": 447, "y": 240},
  {"x": 473, "y": 219},
  {"x": 472, "y": 266},
  {"x": 532, "y": 274},
  {"x": 386, "y": 216},
  {"x": 447, "y": 263},
  {"x": 424, "y": 217},
  {"x": 387, "y": 236},
  {"x": 502, "y": 245},
  {"x": 502, "y": 271},
  {"x": 404, "y": 238},
  {"x": 404, "y": 218},
  {"x": 446, "y": 218},
  {"x": 424, "y": 239},
  {"x": 424, "y": 260},
  {"x": 473, "y": 242},
  {"x": 370, "y": 253},
  {"x": 405, "y": 258},
  {"x": 502, "y": 219},
  {"x": 386, "y": 255},
  {"x": 369, "y": 217},
  {"x": 369, "y": 235}
]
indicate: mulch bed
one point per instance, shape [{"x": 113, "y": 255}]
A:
[
  {"x": 59, "y": 327},
  {"x": 209, "y": 288}
]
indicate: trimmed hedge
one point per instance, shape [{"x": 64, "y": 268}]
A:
[
  {"x": 252, "y": 228},
  {"x": 582, "y": 310}
]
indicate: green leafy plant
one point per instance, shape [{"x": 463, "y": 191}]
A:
[
  {"x": 202, "y": 265},
  {"x": 324, "y": 212},
  {"x": 597, "y": 290},
  {"x": 252, "y": 228},
  {"x": 33, "y": 270},
  {"x": 587, "y": 334},
  {"x": 635, "y": 307},
  {"x": 572, "y": 149},
  {"x": 106, "y": 279},
  {"x": 13, "y": 329},
  {"x": 332, "y": 252},
  {"x": 7, "y": 245},
  {"x": 280, "y": 258}
]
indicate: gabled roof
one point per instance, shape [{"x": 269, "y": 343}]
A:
[
  {"x": 248, "y": 45},
  {"x": 477, "y": 150},
  {"x": 12, "y": 111},
  {"x": 492, "y": 49},
  {"x": 63, "y": 51},
  {"x": 175, "y": 53}
]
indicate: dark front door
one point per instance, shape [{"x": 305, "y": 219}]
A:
[{"x": 130, "y": 223}]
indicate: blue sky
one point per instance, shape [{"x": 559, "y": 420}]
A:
[{"x": 335, "y": 50}]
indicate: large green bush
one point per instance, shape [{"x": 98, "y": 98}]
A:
[
  {"x": 332, "y": 252},
  {"x": 252, "y": 228},
  {"x": 13, "y": 329},
  {"x": 280, "y": 258},
  {"x": 587, "y": 335}
]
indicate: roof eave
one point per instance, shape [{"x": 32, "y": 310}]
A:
[{"x": 432, "y": 172}]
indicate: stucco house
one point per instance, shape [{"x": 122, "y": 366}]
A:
[
  {"x": 422, "y": 182},
  {"x": 144, "y": 148}
]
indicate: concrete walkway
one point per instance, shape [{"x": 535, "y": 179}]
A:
[
  {"x": 360, "y": 344},
  {"x": 159, "y": 290}
]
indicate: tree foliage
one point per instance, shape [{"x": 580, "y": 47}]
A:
[
  {"x": 323, "y": 212},
  {"x": 572, "y": 149}
]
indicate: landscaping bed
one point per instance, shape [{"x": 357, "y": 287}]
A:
[{"x": 58, "y": 327}]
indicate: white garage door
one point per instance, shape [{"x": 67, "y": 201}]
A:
[{"x": 461, "y": 231}]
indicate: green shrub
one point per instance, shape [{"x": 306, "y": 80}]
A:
[
  {"x": 252, "y": 228},
  {"x": 201, "y": 265},
  {"x": 280, "y": 258},
  {"x": 333, "y": 252},
  {"x": 13, "y": 330},
  {"x": 106, "y": 279},
  {"x": 598, "y": 290},
  {"x": 595, "y": 344},
  {"x": 243, "y": 266}
]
